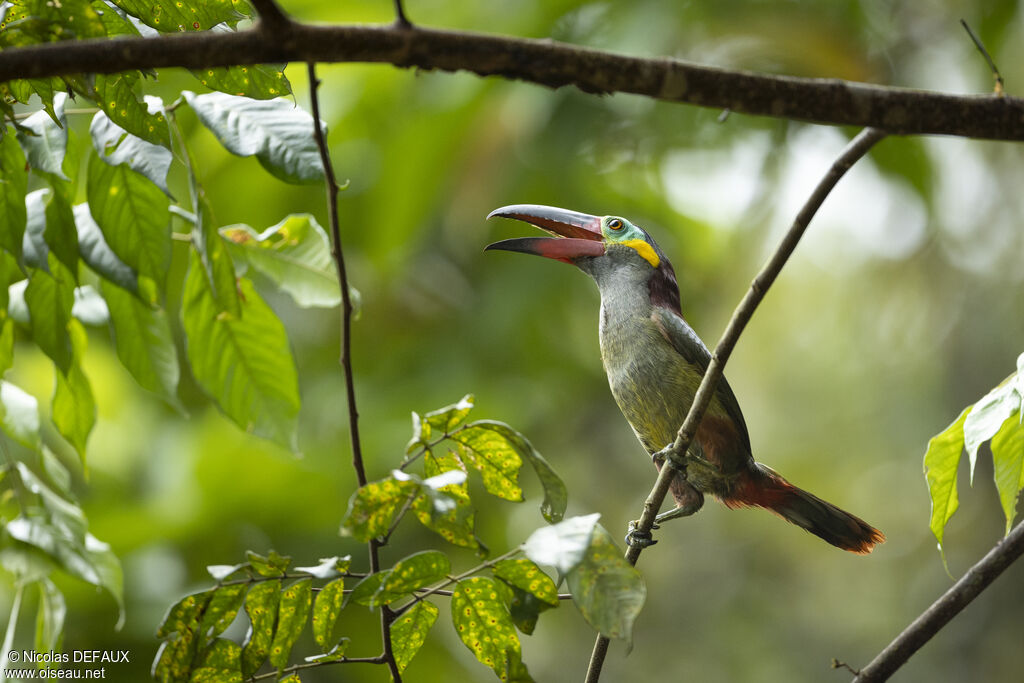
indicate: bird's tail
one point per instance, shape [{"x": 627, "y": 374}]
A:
[{"x": 764, "y": 488}]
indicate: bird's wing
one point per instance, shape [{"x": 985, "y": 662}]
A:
[{"x": 686, "y": 342}]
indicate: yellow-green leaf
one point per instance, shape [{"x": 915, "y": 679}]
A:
[
  {"x": 326, "y": 610},
  {"x": 940, "y": 464},
  {"x": 1008, "y": 460},
  {"x": 607, "y": 589},
  {"x": 525, "y": 574},
  {"x": 485, "y": 627},
  {"x": 291, "y": 618},
  {"x": 372, "y": 508},
  {"x": 261, "y": 608},
  {"x": 412, "y": 572},
  {"x": 409, "y": 632}
]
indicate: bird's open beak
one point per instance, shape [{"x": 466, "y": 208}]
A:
[{"x": 576, "y": 234}]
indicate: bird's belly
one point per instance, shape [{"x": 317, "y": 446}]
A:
[{"x": 654, "y": 391}]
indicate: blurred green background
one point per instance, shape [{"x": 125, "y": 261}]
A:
[{"x": 904, "y": 304}]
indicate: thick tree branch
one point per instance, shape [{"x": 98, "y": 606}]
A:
[
  {"x": 827, "y": 101},
  {"x": 857, "y": 148},
  {"x": 970, "y": 585}
]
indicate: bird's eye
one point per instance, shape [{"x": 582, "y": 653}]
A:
[{"x": 615, "y": 224}]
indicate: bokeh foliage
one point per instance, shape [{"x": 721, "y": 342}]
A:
[{"x": 902, "y": 307}]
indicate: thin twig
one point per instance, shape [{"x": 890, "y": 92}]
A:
[
  {"x": 988, "y": 58},
  {"x": 309, "y": 665},
  {"x": 400, "y": 18},
  {"x": 740, "y": 317},
  {"x": 386, "y": 614},
  {"x": 970, "y": 585},
  {"x": 437, "y": 590},
  {"x": 545, "y": 62}
]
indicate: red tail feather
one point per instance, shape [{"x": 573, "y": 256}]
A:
[{"x": 764, "y": 488}]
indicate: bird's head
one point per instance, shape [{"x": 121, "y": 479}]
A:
[{"x": 598, "y": 245}]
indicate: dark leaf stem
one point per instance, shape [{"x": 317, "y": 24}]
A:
[
  {"x": 828, "y": 101},
  {"x": 386, "y": 614},
  {"x": 857, "y": 148}
]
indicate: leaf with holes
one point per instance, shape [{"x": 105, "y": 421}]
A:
[
  {"x": 409, "y": 632},
  {"x": 291, "y": 618},
  {"x": 274, "y": 131},
  {"x": 484, "y": 626}
]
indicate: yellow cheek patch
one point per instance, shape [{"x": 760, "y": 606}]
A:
[{"x": 644, "y": 250}]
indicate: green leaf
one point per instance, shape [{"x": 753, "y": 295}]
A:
[
  {"x": 525, "y": 609},
  {"x": 326, "y": 610},
  {"x": 276, "y": 132},
  {"x": 133, "y": 215},
  {"x": 60, "y": 233},
  {"x": 442, "y": 420},
  {"x": 13, "y": 187},
  {"x": 260, "y": 81},
  {"x": 409, "y": 632},
  {"x": 49, "y": 301},
  {"x": 219, "y": 663},
  {"x": 291, "y": 618},
  {"x": 145, "y": 345},
  {"x": 455, "y": 525},
  {"x": 607, "y": 589},
  {"x": 372, "y": 508},
  {"x": 274, "y": 564},
  {"x": 68, "y": 551},
  {"x": 295, "y": 254},
  {"x": 222, "y": 608},
  {"x": 174, "y": 659},
  {"x": 117, "y": 146},
  {"x": 74, "y": 408},
  {"x": 6, "y": 342},
  {"x": 49, "y": 617},
  {"x": 176, "y": 16},
  {"x": 97, "y": 253},
  {"x": 410, "y": 573},
  {"x": 243, "y": 362},
  {"x": 366, "y": 591},
  {"x": 213, "y": 254},
  {"x": 563, "y": 545},
  {"x": 44, "y": 140},
  {"x": 1008, "y": 459},
  {"x": 20, "y": 415},
  {"x": 46, "y": 21},
  {"x": 35, "y": 250},
  {"x": 490, "y": 453},
  {"x": 526, "y": 575},
  {"x": 940, "y": 464},
  {"x": 484, "y": 626},
  {"x": 115, "y": 96},
  {"x": 261, "y": 608},
  {"x": 988, "y": 415}
]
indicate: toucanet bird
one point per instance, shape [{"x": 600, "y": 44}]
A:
[{"x": 655, "y": 362}]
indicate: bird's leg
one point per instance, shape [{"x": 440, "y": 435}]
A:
[
  {"x": 639, "y": 538},
  {"x": 694, "y": 501},
  {"x": 694, "y": 455}
]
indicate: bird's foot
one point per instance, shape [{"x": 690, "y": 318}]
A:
[{"x": 636, "y": 537}]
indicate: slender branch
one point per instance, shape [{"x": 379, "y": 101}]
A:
[
  {"x": 545, "y": 62},
  {"x": 970, "y": 585},
  {"x": 386, "y": 614},
  {"x": 857, "y": 148},
  {"x": 999, "y": 87},
  {"x": 276, "y": 675}
]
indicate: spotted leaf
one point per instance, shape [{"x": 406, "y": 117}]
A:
[
  {"x": 326, "y": 609},
  {"x": 261, "y": 607},
  {"x": 413, "y": 572},
  {"x": 409, "y": 632},
  {"x": 485, "y": 627},
  {"x": 372, "y": 508},
  {"x": 291, "y": 617}
]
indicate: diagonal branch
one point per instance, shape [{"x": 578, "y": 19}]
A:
[
  {"x": 857, "y": 148},
  {"x": 545, "y": 62},
  {"x": 931, "y": 621}
]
